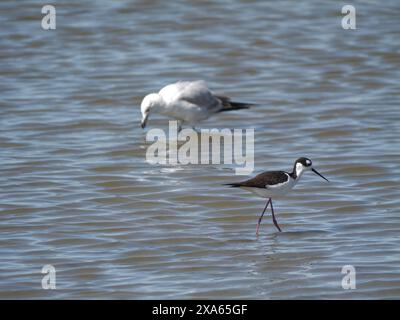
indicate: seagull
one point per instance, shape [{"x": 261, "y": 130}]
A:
[
  {"x": 188, "y": 102},
  {"x": 276, "y": 183}
]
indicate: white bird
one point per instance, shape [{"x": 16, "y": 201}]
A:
[{"x": 189, "y": 102}]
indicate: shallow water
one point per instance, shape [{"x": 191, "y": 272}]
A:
[{"x": 77, "y": 193}]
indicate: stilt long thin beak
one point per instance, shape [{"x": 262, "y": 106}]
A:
[{"x": 316, "y": 172}]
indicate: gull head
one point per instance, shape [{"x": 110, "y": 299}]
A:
[
  {"x": 149, "y": 103},
  {"x": 304, "y": 164}
]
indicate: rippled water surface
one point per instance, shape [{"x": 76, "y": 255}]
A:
[{"x": 77, "y": 193}]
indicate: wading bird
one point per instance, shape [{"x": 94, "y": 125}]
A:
[
  {"x": 276, "y": 183},
  {"x": 188, "y": 102}
]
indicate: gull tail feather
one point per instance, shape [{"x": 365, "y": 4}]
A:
[{"x": 228, "y": 105}]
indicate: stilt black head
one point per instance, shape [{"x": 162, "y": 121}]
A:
[{"x": 304, "y": 164}]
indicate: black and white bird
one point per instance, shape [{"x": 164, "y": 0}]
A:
[
  {"x": 276, "y": 183},
  {"x": 189, "y": 102}
]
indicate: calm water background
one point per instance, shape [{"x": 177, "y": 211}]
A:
[{"x": 77, "y": 193}]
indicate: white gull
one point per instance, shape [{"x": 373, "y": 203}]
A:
[{"x": 189, "y": 102}]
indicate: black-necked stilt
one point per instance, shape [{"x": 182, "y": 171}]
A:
[{"x": 276, "y": 183}]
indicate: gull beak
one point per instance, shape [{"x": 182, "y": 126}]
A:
[
  {"x": 143, "y": 122},
  {"x": 316, "y": 172}
]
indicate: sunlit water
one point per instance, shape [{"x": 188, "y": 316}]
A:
[{"x": 77, "y": 193}]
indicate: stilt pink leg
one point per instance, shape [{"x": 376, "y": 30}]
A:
[
  {"x": 273, "y": 217},
  {"x": 259, "y": 220}
]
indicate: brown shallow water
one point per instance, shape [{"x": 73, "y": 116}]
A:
[{"x": 77, "y": 193}]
